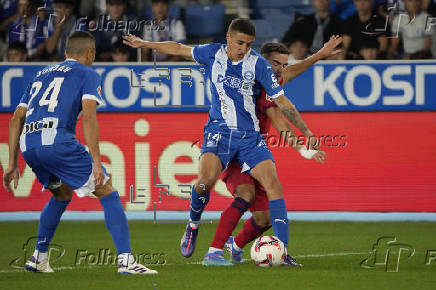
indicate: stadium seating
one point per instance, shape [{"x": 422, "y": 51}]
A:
[
  {"x": 262, "y": 4},
  {"x": 278, "y": 21},
  {"x": 278, "y": 15},
  {"x": 264, "y": 33},
  {"x": 205, "y": 20},
  {"x": 175, "y": 12},
  {"x": 345, "y": 10}
]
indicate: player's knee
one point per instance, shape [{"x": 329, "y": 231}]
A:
[
  {"x": 262, "y": 219},
  {"x": 272, "y": 184},
  {"x": 246, "y": 192},
  {"x": 204, "y": 184},
  {"x": 248, "y": 198},
  {"x": 104, "y": 189},
  {"x": 267, "y": 178},
  {"x": 63, "y": 192}
]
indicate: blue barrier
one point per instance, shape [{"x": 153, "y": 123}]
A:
[{"x": 327, "y": 86}]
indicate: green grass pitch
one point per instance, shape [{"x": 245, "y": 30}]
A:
[{"x": 331, "y": 252}]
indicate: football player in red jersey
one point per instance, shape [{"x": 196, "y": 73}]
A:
[{"x": 242, "y": 186}]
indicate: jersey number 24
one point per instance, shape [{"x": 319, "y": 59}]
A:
[{"x": 54, "y": 88}]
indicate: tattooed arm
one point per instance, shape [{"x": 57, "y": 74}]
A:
[
  {"x": 288, "y": 109},
  {"x": 291, "y": 113}
]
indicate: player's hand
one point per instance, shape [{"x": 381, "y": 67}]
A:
[
  {"x": 98, "y": 174},
  {"x": 330, "y": 47},
  {"x": 319, "y": 157},
  {"x": 134, "y": 41},
  {"x": 316, "y": 155},
  {"x": 10, "y": 174}
]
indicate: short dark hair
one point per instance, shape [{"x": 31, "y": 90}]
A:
[
  {"x": 243, "y": 25},
  {"x": 16, "y": 45},
  {"x": 79, "y": 42},
  {"x": 270, "y": 47}
]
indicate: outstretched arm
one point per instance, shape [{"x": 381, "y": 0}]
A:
[
  {"x": 166, "y": 47},
  {"x": 15, "y": 127},
  {"x": 329, "y": 49}
]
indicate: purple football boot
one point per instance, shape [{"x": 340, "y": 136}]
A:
[{"x": 187, "y": 244}]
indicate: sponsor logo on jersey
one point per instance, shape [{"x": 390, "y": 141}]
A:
[
  {"x": 235, "y": 83},
  {"x": 275, "y": 83},
  {"x": 37, "y": 126}
]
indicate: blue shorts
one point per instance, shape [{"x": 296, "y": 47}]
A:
[
  {"x": 248, "y": 147},
  {"x": 63, "y": 163}
]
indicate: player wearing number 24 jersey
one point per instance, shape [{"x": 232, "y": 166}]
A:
[
  {"x": 54, "y": 101},
  {"x": 46, "y": 116}
]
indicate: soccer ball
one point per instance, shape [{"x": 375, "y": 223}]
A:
[{"x": 267, "y": 251}]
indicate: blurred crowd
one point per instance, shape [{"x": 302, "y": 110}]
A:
[
  {"x": 36, "y": 30},
  {"x": 383, "y": 29}
]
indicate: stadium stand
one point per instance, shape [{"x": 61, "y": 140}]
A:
[
  {"x": 175, "y": 12},
  {"x": 205, "y": 20}
]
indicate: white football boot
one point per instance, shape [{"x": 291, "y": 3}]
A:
[
  {"x": 33, "y": 265},
  {"x": 127, "y": 265}
]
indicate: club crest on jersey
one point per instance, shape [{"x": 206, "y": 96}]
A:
[{"x": 249, "y": 75}]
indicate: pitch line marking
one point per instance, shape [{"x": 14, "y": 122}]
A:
[{"x": 329, "y": 255}]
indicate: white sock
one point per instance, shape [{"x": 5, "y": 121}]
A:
[
  {"x": 194, "y": 225},
  {"x": 236, "y": 246},
  {"x": 40, "y": 256},
  {"x": 213, "y": 250},
  {"x": 126, "y": 259}
]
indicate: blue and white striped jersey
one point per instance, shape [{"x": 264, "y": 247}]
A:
[
  {"x": 236, "y": 85},
  {"x": 54, "y": 102}
]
